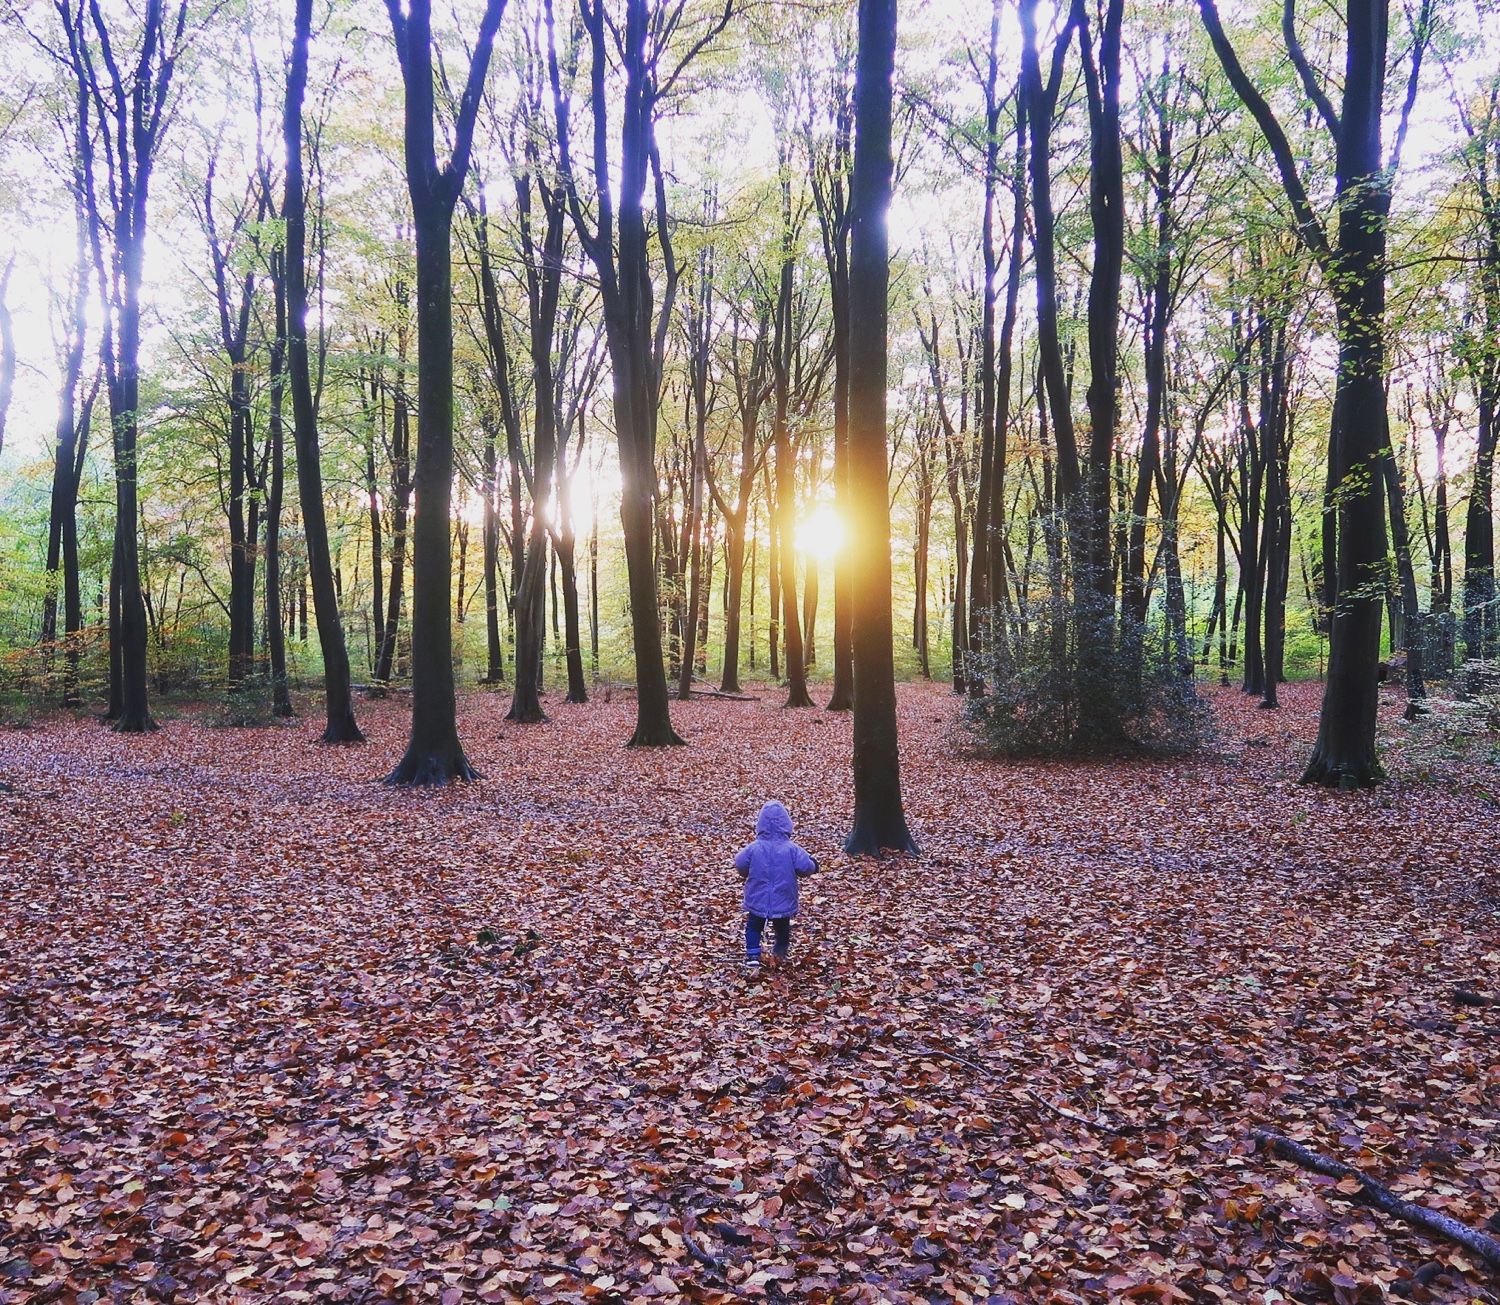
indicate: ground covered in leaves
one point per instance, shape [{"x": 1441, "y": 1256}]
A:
[{"x": 271, "y": 1031}]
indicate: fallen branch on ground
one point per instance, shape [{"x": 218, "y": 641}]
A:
[
  {"x": 1371, "y": 1193},
  {"x": 698, "y": 1253}
]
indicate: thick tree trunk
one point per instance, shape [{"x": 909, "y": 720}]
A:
[
  {"x": 634, "y": 328},
  {"x": 1345, "y": 755},
  {"x": 433, "y": 754},
  {"x": 879, "y": 821},
  {"x": 1107, "y": 210},
  {"x": 134, "y": 714}
]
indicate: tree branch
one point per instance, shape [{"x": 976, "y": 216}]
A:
[
  {"x": 1309, "y": 228},
  {"x": 1305, "y": 71}
]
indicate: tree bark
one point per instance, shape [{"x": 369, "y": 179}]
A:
[
  {"x": 339, "y": 726},
  {"x": 434, "y": 754},
  {"x": 879, "y": 822},
  {"x": 281, "y": 699},
  {"x": 135, "y": 117},
  {"x": 617, "y": 243},
  {"x": 1355, "y": 261}
]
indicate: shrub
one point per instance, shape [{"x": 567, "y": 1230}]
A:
[
  {"x": 1073, "y": 680},
  {"x": 246, "y": 705}
]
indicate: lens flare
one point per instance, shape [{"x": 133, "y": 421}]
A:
[{"x": 821, "y": 533}]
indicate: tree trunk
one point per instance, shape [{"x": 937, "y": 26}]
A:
[
  {"x": 578, "y": 690},
  {"x": 401, "y": 492},
  {"x": 377, "y": 547},
  {"x": 809, "y": 610},
  {"x": 281, "y": 698},
  {"x": 494, "y": 658},
  {"x": 1415, "y": 636},
  {"x": 70, "y": 449},
  {"x": 340, "y": 726},
  {"x": 879, "y": 821},
  {"x": 1345, "y": 754},
  {"x": 434, "y": 754},
  {"x": 634, "y": 326},
  {"x": 791, "y": 622},
  {"x": 1481, "y": 619},
  {"x": 734, "y": 567}
]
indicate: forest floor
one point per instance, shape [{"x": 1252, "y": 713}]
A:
[{"x": 270, "y": 1031}]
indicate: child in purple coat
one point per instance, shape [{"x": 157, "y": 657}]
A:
[{"x": 771, "y": 867}]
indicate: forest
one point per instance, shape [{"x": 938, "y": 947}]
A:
[{"x": 460, "y": 462}]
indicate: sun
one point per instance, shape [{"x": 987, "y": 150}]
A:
[{"x": 820, "y": 534}]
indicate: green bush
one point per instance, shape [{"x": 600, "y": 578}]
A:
[
  {"x": 246, "y": 705},
  {"x": 1071, "y": 680}
]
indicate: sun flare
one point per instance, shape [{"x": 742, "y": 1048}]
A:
[{"x": 821, "y": 533}]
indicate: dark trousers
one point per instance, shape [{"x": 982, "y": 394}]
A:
[{"x": 781, "y": 930}]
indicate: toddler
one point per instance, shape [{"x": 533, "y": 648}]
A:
[{"x": 770, "y": 867}]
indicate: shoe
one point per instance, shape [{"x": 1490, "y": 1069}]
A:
[{"x": 751, "y": 967}]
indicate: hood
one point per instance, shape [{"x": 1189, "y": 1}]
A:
[{"x": 774, "y": 819}]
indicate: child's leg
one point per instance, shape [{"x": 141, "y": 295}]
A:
[
  {"x": 754, "y": 927},
  {"x": 782, "y": 930}
]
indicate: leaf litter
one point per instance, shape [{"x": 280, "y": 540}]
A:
[{"x": 269, "y": 1030}]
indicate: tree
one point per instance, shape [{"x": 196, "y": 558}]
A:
[
  {"x": 1478, "y": 340},
  {"x": 879, "y": 821},
  {"x": 131, "y": 99},
  {"x": 1353, "y": 259},
  {"x": 234, "y": 287},
  {"x": 829, "y": 176},
  {"x": 7, "y": 349},
  {"x": 749, "y": 372},
  {"x": 281, "y": 698},
  {"x": 618, "y": 245},
  {"x": 339, "y": 726},
  {"x": 74, "y": 413},
  {"x": 788, "y": 337},
  {"x": 434, "y": 754}
]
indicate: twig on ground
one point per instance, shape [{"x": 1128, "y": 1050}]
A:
[
  {"x": 1371, "y": 1193},
  {"x": 1121, "y": 1130},
  {"x": 1113, "y": 1130},
  {"x": 552, "y": 1266}
]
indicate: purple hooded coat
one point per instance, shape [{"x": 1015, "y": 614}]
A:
[{"x": 772, "y": 864}]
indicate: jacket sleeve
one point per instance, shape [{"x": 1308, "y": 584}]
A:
[
  {"x": 742, "y": 859},
  {"x": 802, "y": 863}
]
